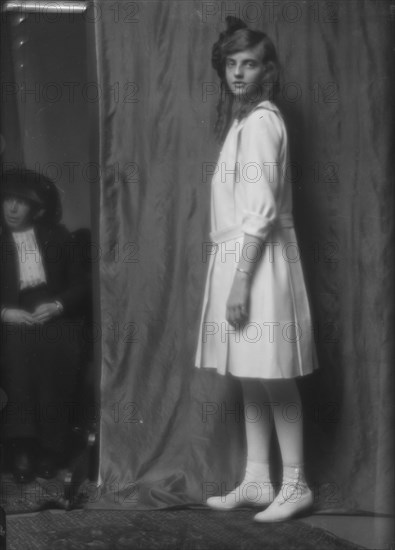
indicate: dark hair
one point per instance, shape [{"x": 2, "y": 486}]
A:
[{"x": 236, "y": 38}]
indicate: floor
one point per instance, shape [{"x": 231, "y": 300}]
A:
[
  {"x": 370, "y": 532},
  {"x": 374, "y": 533}
]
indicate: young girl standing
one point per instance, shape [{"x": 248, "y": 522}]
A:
[{"x": 256, "y": 322}]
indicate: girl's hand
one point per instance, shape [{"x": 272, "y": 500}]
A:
[
  {"x": 17, "y": 317},
  {"x": 238, "y": 302},
  {"x": 45, "y": 312}
]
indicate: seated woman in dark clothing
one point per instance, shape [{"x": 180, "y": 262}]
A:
[{"x": 43, "y": 293}]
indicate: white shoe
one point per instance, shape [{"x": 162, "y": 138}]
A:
[
  {"x": 294, "y": 498},
  {"x": 248, "y": 493}
]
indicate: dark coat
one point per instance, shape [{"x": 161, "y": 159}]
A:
[
  {"x": 67, "y": 280},
  {"x": 36, "y": 369}
]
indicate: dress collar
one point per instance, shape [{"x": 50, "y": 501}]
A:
[{"x": 266, "y": 104}]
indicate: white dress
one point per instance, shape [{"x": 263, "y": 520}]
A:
[{"x": 251, "y": 194}]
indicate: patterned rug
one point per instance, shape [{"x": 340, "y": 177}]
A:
[
  {"x": 38, "y": 495},
  {"x": 184, "y": 529}
]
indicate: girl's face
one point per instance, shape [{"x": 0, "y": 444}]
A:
[
  {"x": 244, "y": 73},
  {"x": 17, "y": 213}
]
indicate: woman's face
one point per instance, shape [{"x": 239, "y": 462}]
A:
[
  {"x": 17, "y": 213},
  {"x": 244, "y": 73}
]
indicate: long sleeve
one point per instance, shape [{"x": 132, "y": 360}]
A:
[
  {"x": 74, "y": 294},
  {"x": 66, "y": 277},
  {"x": 261, "y": 142},
  {"x": 9, "y": 279}
]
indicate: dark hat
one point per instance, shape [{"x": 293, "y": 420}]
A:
[
  {"x": 15, "y": 185},
  {"x": 34, "y": 187}
]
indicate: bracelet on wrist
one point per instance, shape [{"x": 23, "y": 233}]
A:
[
  {"x": 59, "y": 307},
  {"x": 241, "y": 270}
]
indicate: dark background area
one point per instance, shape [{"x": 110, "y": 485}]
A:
[{"x": 47, "y": 99}]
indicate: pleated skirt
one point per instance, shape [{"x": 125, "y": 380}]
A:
[{"x": 277, "y": 341}]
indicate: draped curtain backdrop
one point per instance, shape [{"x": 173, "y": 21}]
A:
[{"x": 171, "y": 434}]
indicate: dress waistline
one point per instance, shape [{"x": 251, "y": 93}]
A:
[{"x": 285, "y": 221}]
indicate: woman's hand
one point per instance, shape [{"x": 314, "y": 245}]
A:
[
  {"x": 237, "y": 306},
  {"x": 17, "y": 316},
  {"x": 45, "y": 312},
  {"x": 238, "y": 302}
]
